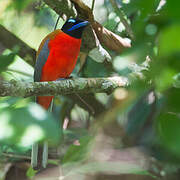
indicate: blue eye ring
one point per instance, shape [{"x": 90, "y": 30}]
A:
[{"x": 72, "y": 20}]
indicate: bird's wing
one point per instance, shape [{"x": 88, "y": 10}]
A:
[
  {"x": 40, "y": 61},
  {"x": 42, "y": 55}
]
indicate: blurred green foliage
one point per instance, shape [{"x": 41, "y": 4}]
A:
[
  {"x": 6, "y": 60},
  {"x": 31, "y": 173},
  {"x": 79, "y": 152},
  {"x": 19, "y": 5},
  {"x": 149, "y": 111},
  {"x": 22, "y": 126}
]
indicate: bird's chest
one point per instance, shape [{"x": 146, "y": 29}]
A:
[{"x": 62, "y": 58}]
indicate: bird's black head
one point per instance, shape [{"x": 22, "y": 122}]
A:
[{"x": 74, "y": 27}]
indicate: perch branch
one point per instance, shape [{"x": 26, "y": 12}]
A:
[{"x": 68, "y": 86}]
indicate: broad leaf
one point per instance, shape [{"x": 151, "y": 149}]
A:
[{"x": 23, "y": 126}]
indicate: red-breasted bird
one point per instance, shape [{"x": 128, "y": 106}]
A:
[
  {"x": 56, "y": 58},
  {"x": 57, "y": 55}
]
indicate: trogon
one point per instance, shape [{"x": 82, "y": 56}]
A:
[
  {"x": 57, "y": 55},
  {"x": 56, "y": 58}
]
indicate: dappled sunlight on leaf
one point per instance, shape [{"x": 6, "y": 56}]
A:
[
  {"x": 6, "y": 130},
  {"x": 122, "y": 64},
  {"x": 23, "y": 126},
  {"x": 130, "y": 132},
  {"x": 33, "y": 133},
  {"x": 37, "y": 112}
]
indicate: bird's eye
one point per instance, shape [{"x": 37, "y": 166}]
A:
[{"x": 72, "y": 20}]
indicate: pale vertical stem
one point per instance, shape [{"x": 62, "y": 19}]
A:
[{"x": 34, "y": 155}]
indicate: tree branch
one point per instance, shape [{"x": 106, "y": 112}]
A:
[
  {"x": 62, "y": 7},
  {"x": 9, "y": 40},
  {"x": 65, "y": 8},
  {"x": 78, "y": 8},
  {"x": 68, "y": 86},
  {"x": 93, "y": 3},
  {"x": 89, "y": 42}
]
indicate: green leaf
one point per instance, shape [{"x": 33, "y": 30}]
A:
[
  {"x": 20, "y": 4},
  {"x": 168, "y": 128},
  {"x": 146, "y": 8},
  {"x": 165, "y": 79},
  {"x": 94, "y": 69},
  {"x": 138, "y": 114},
  {"x": 54, "y": 162},
  {"x": 112, "y": 21},
  {"x": 23, "y": 126},
  {"x": 177, "y": 80},
  {"x": 31, "y": 172},
  {"x": 77, "y": 153},
  {"x": 6, "y": 60},
  {"x": 172, "y": 100},
  {"x": 169, "y": 40},
  {"x": 172, "y": 9}
]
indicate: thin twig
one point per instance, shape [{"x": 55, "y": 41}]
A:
[
  {"x": 9, "y": 40},
  {"x": 93, "y": 3},
  {"x": 88, "y": 106},
  {"x": 56, "y": 23},
  {"x": 10, "y": 155},
  {"x": 121, "y": 14}
]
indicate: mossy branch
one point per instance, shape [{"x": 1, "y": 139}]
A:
[{"x": 67, "y": 86}]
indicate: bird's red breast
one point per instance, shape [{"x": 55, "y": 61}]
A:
[{"x": 61, "y": 59}]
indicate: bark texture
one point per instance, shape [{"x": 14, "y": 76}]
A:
[{"x": 68, "y": 86}]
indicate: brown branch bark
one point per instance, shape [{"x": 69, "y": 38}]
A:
[
  {"x": 67, "y": 8},
  {"x": 78, "y": 8},
  {"x": 62, "y": 7}
]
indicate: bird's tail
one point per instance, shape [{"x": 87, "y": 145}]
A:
[
  {"x": 39, "y": 155},
  {"x": 45, "y": 101}
]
